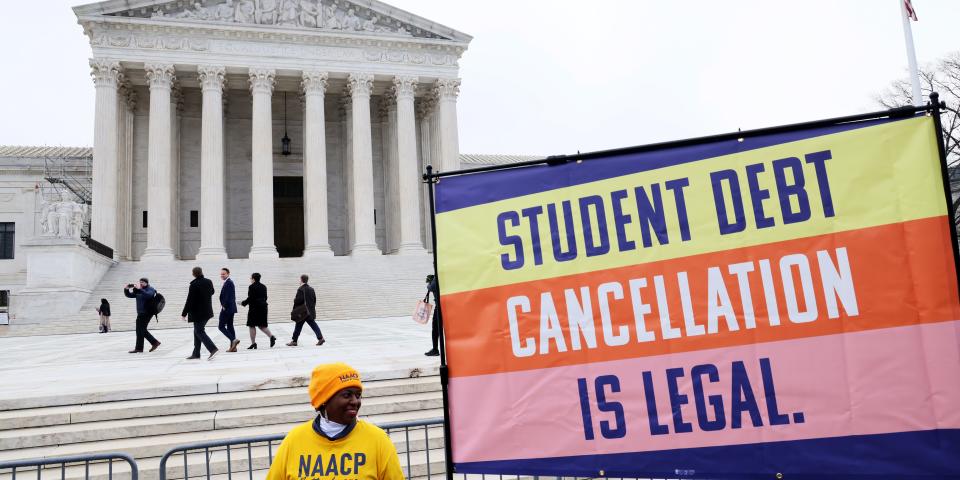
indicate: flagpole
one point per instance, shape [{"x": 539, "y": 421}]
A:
[{"x": 911, "y": 55}]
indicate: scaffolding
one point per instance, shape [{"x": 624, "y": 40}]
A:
[{"x": 68, "y": 178}]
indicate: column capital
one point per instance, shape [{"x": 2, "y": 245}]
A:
[
  {"x": 160, "y": 75},
  {"x": 314, "y": 82},
  {"x": 262, "y": 80},
  {"x": 404, "y": 87},
  {"x": 447, "y": 88},
  {"x": 212, "y": 77},
  {"x": 127, "y": 95},
  {"x": 425, "y": 106},
  {"x": 105, "y": 72},
  {"x": 360, "y": 84}
]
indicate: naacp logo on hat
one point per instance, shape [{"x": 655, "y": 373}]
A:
[{"x": 349, "y": 376}]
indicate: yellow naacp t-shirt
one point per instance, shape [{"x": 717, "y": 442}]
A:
[{"x": 366, "y": 453}]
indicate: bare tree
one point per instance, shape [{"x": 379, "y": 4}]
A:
[{"x": 942, "y": 77}]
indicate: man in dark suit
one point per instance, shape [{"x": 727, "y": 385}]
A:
[
  {"x": 306, "y": 299},
  {"x": 198, "y": 310},
  {"x": 228, "y": 308}
]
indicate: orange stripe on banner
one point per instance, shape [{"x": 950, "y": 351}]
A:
[{"x": 899, "y": 274}]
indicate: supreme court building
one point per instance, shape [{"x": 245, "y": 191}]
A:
[{"x": 265, "y": 128}]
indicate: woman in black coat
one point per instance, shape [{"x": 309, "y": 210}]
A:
[
  {"x": 256, "y": 301},
  {"x": 104, "y": 311}
]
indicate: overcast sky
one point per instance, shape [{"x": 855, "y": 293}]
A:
[{"x": 551, "y": 77}]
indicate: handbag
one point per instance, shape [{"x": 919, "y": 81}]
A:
[
  {"x": 423, "y": 311},
  {"x": 300, "y": 313}
]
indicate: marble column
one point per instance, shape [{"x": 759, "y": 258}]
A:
[
  {"x": 425, "y": 109},
  {"x": 107, "y": 76},
  {"x": 127, "y": 99},
  {"x": 159, "y": 164},
  {"x": 261, "y": 88},
  {"x": 314, "y": 86},
  {"x": 389, "y": 218},
  {"x": 408, "y": 181},
  {"x": 176, "y": 108},
  {"x": 211, "y": 163},
  {"x": 447, "y": 90},
  {"x": 365, "y": 239}
]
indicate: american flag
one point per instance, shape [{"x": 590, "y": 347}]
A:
[{"x": 910, "y": 11}]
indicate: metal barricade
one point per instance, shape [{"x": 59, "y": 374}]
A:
[
  {"x": 244, "y": 456},
  {"x": 37, "y": 465}
]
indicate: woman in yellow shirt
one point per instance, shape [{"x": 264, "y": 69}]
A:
[{"x": 336, "y": 445}]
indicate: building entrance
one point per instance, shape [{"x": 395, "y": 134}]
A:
[{"x": 288, "y": 216}]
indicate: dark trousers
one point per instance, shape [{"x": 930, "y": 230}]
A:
[
  {"x": 143, "y": 321},
  {"x": 200, "y": 336},
  {"x": 435, "y": 330},
  {"x": 226, "y": 325},
  {"x": 313, "y": 326}
]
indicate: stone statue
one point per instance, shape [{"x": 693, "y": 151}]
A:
[
  {"x": 225, "y": 12},
  {"x": 370, "y": 25},
  {"x": 351, "y": 22},
  {"x": 62, "y": 219},
  {"x": 245, "y": 12},
  {"x": 289, "y": 13},
  {"x": 309, "y": 11},
  {"x": 267, "y": 12},
  {"x": 330, "y": 19}
]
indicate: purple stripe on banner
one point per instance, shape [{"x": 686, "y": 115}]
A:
[
  {"x": 462, "y": 191},
  {"x": 930, "y": 454}
]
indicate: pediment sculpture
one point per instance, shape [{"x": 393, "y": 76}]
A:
[{"x": 336, "y": 15}]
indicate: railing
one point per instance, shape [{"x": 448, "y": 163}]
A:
[
  {"x": 244, "y": 456},
  {"x": 28, "y": 467},
  {"x": 98, "y": 247}
]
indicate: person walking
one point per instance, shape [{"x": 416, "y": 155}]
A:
[
  {"x": 143, "y": 294},
  {"x": 228, "y": 308},
  {"x": 305, "y": 311},
  {"x": 355, "y": 448},
  {"x": 256, "y": 302},
  {"x": 104, "y": 311},
  {"x": 433, "y": 288},
  {"x": 198, "y": 310}
]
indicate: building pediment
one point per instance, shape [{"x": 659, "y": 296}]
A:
[{"x": 359, "y": 17}]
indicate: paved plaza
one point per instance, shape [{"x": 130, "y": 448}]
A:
[{"x": 96, "y": 367}]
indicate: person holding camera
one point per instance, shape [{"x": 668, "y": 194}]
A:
[{"x": 145, "y": 296}]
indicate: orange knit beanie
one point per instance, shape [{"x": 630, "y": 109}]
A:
[{"x": 328, "y": 379}]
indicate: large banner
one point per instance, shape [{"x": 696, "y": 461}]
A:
[{"x": 784, "y": 303}]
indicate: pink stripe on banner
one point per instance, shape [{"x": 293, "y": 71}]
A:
[{"x": 883, "y": 381}]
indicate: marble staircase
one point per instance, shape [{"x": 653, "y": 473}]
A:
[
  {"x": 147, "y": 427},
  {"x": 347, "y": 288}
]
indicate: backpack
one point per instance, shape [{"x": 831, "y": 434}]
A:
[{"x": 155, "y": 305}]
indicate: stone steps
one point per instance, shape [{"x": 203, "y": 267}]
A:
[
  {"x": 164, "y": 406},
  {"x": 346, "y": 287},
  {"x": 146, "y": 428}
]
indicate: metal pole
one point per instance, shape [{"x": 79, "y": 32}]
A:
[
  {"x": 444, "y": 375},
  {"x": 911, "y": 55},
  {"x": 941, "y": 149}
]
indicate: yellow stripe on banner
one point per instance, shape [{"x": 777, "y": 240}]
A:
[{"x": 876, "y": 175}]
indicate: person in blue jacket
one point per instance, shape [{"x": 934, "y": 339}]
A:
[
  {"x": 144, "y": 294},
  {"x": 228, "y": 308}
]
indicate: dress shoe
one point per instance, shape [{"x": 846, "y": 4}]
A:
[
  {"x": 292, "y": 343},
  {"x": 233, "y": 345},
  {"x": 154, "y": 346},
  {"x": 253, "y": 346},
  {"x": 273, "y": 341},
  {"x": 432, "y": 353},
  {"x": 135, "y": 351},
  {"x": 321, "y": 341},
  {"x": 212, "y": 354},
  {"x": 193, "y": 357}
]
